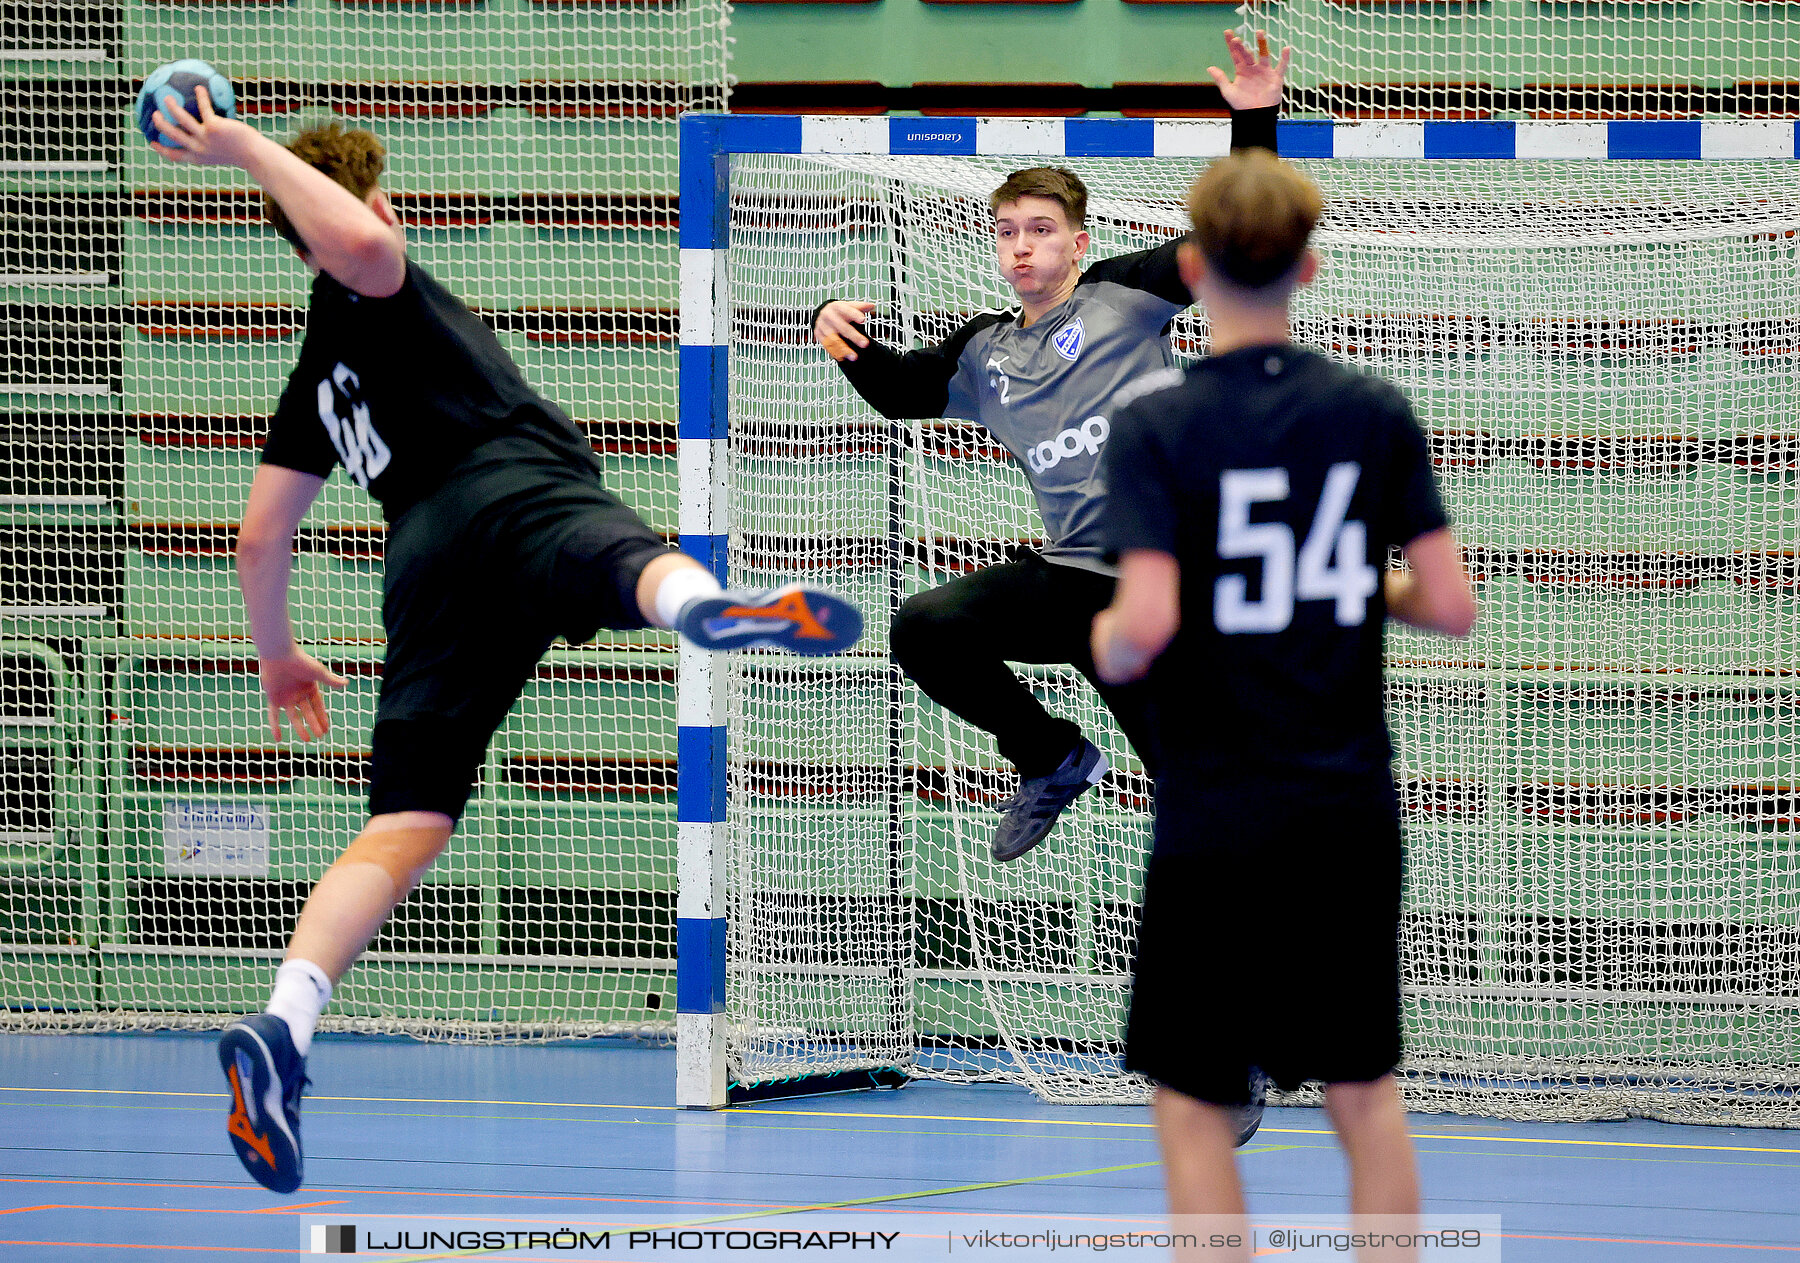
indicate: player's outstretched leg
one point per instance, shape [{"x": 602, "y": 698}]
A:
[
  {"x": 1026, "y": 818},
  {"x": 266, "y": 1076},
  {"x": 796, "y": 616}
]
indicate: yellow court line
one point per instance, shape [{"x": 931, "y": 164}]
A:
[{"x": 927, "y": 1118}]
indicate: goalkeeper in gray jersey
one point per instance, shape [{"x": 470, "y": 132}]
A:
[{"x": 1041, "y": 377}]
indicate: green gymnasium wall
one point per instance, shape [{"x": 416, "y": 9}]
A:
[{"x": 1093, "y": 43}]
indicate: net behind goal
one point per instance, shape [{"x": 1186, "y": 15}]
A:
[
  {"x": 156, "y": 842},
  {"x": 1598, "y": 786}
]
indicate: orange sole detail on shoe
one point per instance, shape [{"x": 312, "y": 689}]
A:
[
  {"x": 239, "y": 1123},
  {"x": 792, "y": 607}
]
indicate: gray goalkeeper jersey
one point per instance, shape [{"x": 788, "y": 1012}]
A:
[{"x": 1043, "y": 390}]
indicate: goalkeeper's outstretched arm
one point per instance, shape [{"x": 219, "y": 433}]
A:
[
  {"x": 899, "y": 386},
  {"x": 1252, "y": 127},
  {"x": 1253, "y": 91},
  {"x": 921, "y": 383}
]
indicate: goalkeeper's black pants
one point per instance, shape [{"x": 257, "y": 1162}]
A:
[{"x": 955, "y": 643}]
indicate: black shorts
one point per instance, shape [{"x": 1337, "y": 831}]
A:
[
  {"x": 1270, "y": 938},
  {"x": 471, "y": 599}
]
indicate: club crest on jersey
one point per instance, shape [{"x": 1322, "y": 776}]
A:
[{"x": 1068, "y": 342}]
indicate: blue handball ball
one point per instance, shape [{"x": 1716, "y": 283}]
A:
[{"x": 177, "y": 81}]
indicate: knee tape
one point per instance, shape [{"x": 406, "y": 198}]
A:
[{"x": 404, "y": 853}]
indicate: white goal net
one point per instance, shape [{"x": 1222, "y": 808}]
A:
[
  {"x": 1599, "y": 785},
  {"x": 156, "y": 841}
]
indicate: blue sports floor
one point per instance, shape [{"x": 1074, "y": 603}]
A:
[{"x": 112, "y": 1147}]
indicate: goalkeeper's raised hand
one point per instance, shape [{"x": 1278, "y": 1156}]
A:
[{"x": 1256, "y": 77}]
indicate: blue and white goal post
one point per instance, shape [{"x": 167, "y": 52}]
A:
[{"x": 1598, "y": 324}]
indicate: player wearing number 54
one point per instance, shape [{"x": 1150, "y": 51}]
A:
[{"x": 1255, "y": 498}]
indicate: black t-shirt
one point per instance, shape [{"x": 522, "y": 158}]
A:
[
  {"x": 402, "y": 390},
  {"x": 1279, "y": 481}
]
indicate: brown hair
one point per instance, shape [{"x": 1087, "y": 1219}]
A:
[
  {"x": 349, "y": 155},
  {"x": 1253, "y": 214},
  {"x": 1060, "y": 185}
]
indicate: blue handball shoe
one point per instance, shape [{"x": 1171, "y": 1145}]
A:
[
  {"x": 1027, "y": 817},
  {"x": 797, "y": 617},
  {"x": 266, "y": 1076},
  {"x": 1249, "y": 1117}
]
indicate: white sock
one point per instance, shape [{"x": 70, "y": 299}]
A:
[
  {"x": 679, "y": 586},
  {"x": 301, "y": 990}
]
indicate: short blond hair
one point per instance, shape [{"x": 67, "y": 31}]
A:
[
  {"x": 1059, "y": 184},
  {"x": 1253, "y": 215},
  {"x": 349, "y": 155}
]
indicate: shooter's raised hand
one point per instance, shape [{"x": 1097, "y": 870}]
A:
[
  {"x": 1256, "y": 78},
  {"x": 211, "y": 140},
  {"x": 838, "y": 328}
]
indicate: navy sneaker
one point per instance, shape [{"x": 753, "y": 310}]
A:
[
  {"x": 797, "y": 617},
  {"x": 266, "y": 1076},
  {"x": 1026, "y": 817},
  {"x": 1249, "y": 1117}
]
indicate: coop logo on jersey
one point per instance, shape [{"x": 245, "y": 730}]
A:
[
  {"x": 1087, "y": 437},
  {"x": 1068, "y": 342}
]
